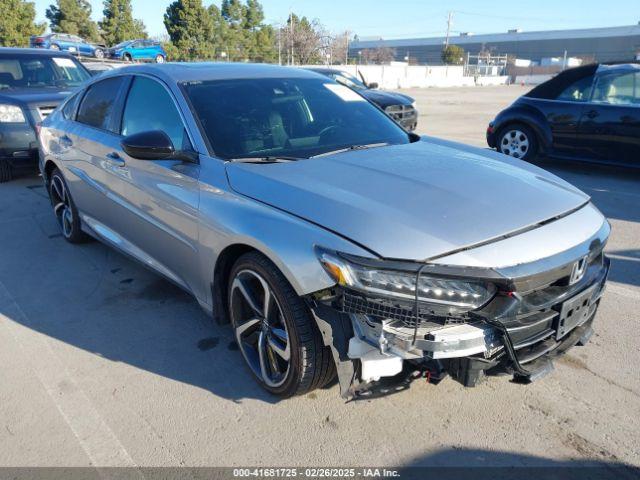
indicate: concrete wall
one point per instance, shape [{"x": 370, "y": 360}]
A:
[{"x": 405, "y": 76}]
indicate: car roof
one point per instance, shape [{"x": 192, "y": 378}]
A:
[
  {"x": 614, "y": 67},
  {"x": 203, "y": 71},
  {"x": 42, "y": 52}
]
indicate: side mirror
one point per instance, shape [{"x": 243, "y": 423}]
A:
[
  {"x": 373, "y": 85},
  {"x": 151, "y": 145}
]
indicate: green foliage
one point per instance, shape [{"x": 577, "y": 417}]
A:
[
  {"x": 74, "y": 17},
  {"x": 452, "y": 55},
  {"x": 18, "y": 23},
  {"x": 118, "y": 23},
  {"x": 235, "y": 31},
  {"x": 191, "y": 29}
]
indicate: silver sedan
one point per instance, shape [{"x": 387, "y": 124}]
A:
[{"x": 331, "y": 240}]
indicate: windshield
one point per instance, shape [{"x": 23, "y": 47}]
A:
[
  {"x": 348, "y": 80},
  {"x": 31, "y": 71},
  {"x": 123, "y": 44},
  {"x": 292, "y": 117}
]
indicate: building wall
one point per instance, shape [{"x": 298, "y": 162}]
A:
[{"x": 620, "y": 47}]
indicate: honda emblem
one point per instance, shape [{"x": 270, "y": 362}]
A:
[{"x": 578, "y": 270}]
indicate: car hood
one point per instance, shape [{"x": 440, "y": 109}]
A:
[
  {"x": 385, "y": 99},
  {"x": 34, "y": 96},
  {"x": 416, "y": 201}
]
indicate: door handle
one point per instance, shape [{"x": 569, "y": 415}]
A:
[
  {"x": 593, "y": 114},
  {"x": 116, "y": 159}
]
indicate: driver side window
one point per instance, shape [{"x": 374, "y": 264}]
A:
[{"x": 150, "y": 107}]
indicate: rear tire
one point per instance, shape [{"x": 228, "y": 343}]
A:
[
  {"x": 160, "y": 59},
  {"x": 65, "y": 209},
  {"x": 127, "y": 57},
  {"x": 519, "y": 141},
  {"x": 53, "y": 46},
  {"x": 6, "y": 173},
  {"x": 284, "y": 351},
  {"x": 98, "y": 53}
]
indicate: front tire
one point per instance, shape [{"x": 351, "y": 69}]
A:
[
  {"x": 6, "y": 173},
  {"x": 53, "y": 46},
  {"x": 65, "y": 209},
  {"x": 275, "y": 330},
  {"x": 160, "y": 59},
  {"x": 518, "y": 141}
]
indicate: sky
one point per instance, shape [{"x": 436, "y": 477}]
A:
[{"x": 412, "y": 18}]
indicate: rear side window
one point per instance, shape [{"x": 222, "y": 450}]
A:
[
  {"x": 578, "y": 91},
  {"x": 69, "y": 109},
  {"x": 99, "y": 104}
]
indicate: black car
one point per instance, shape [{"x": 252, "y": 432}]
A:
[
  {"x": 589, "y": 113},
  {"x": 400, "y": 107},
  {"x": 32, "y": 84}
]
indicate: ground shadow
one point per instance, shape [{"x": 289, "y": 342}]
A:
[
  {"x": 478, "y": 464},
  {"x": 614, "y": 190}
]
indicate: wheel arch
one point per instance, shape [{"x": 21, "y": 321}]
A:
[
  {"x": 49, "y": 167},
  {"x": 219, "y": 287},
  {"x": 530, "y": 118}
]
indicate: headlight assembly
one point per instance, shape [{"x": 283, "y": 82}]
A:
[
  {"x": 11, "y": 114},
  {"x": 443, "y": 293}
]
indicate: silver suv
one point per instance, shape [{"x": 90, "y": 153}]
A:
[{"x": 327, "y": 236}]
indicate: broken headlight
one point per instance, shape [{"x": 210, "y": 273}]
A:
[{"x": 443, "y": 294}]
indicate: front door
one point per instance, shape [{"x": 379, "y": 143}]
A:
[
  {"x": 610, "y": 123},
  {"x": 163, "y": 194}
]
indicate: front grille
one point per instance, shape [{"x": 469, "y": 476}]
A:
[
  {"x": 386, "y": 309},
  {"x": 45, "y": 111},
  {"x": 401, "y": 112}
]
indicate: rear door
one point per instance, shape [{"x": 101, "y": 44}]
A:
[
  {"x": 99, "y": 174},
  {"x": 163, "y": 195},
  {"x": 610, "y": 123}
]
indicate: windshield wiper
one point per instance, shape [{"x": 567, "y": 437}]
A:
[
  {"x": 265, "y": 159},
  {"x": 352, "y": 147}
]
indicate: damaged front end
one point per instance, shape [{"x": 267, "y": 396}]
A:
[{"x": 463, "y": 322}]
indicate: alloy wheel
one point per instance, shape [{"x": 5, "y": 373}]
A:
[
  {"x": 260, "y": 328},
  {"x": 515, "y": 143},
  {"x": 62, "y": 205}
]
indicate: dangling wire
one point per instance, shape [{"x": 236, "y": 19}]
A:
[{"x": 416, "y": 308}]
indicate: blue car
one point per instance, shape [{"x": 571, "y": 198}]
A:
[
  {"x": 139, "y": 50},
  {"x": 67, "y": 43}
]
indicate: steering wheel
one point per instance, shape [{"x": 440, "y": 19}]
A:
[{"x": 327, "y": 131}]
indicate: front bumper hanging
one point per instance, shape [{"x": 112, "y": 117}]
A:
[{"x": 375, "y": 350}]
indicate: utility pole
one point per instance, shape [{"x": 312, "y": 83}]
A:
[
  {"x": 449, "y": 23},
  {"x": 291, "y": 31}
]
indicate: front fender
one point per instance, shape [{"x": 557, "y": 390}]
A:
[
  {"x": 228, "y": 218},
  {"x": 530, "y": 116}
]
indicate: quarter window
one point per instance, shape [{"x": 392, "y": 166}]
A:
[
  {"x": 150, "y": 107},
  {"x": 98, "y": 105},
  {"x": 578, "y": 91}
]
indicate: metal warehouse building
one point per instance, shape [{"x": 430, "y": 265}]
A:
[{"x": 601, "y": 44}]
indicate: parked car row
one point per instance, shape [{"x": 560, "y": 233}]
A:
[
  {"x": 333, "y": 241},
  {"x": 32, "y": 84},
  {"x": 131, "y": 50}
]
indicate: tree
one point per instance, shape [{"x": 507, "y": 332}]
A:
[
  {"x": 74, "y": 17},
  {"x": 18, "y": 23},
  {"x": 191, "y": 29},
  {"x": 452, "y": 55},
  {"x": 378, "y": 56},
  {"x": 302, "y": 40},
  {"x": 118, "y": 23}
]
